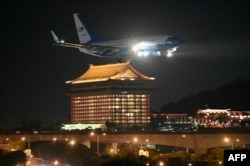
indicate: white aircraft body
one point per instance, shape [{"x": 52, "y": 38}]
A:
[{"x": 157, "y": 45}]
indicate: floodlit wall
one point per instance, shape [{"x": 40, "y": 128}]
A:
[{"x": 120, "y": 109}]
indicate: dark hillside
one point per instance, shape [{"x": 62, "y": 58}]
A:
[{"x": 235, "y": 95}]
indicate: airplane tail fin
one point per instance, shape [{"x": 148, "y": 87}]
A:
[
  {"x": 83, "y": 34},
  {"x": 54, "y": 36}
]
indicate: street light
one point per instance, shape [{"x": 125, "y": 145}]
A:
[
  {"x": 92, "y": 133},
  {"x": 97, "y": 140},
  {"x": 184, "y": 136},
  {"x": 161, "y": 163},
  {"x": 23, "y": 139},
  {"x": 232, "y": 142},
  {"x": 72, "y": 142},
  {"x": 226, "y": 139},
  {"x": 135, "y": 139},
  {"x": 56, "y": 162}
]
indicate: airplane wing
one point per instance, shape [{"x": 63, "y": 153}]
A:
[
  {"x": 93, "y": 49},
  {"x": 96, "y": 50},
  {"x": 89, "y": 46}
]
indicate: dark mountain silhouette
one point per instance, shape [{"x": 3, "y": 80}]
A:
[{"x": 234, "y": 95}]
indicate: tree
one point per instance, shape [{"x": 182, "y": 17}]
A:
[
  {"x": 14, "y": 158},
  {"x": 128, "y": 148},
  {"x": 15, "y": 143},
  {"x": 1, "y": 153},
  {"x": 180, "y": 158},
  {"x": 76, "y": 154},
  {"x": 199, "y": 160},
  {"x": 215, "y": 155},
  {"x": 129, "y": 159}
]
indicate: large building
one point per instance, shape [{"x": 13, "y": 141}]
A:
[
  {"x": 205, "y": 118},
  {"x": 113, "y": 93}
]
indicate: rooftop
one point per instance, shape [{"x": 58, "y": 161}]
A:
[{"x": 118, "y": 71}]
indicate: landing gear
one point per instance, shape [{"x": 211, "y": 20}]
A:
[{"x": 167, "y": 53}]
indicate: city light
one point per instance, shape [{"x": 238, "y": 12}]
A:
[
  {"x": 72, "y": 142},
  {"x": 56, "y": 162},
  {"x": 161, "y": 163},
  {"x": 226, "y": 139},
  {"x": 28, "y": 162},
  {"x": 135, "y": 139},
  {"x": 97, "y": 140}
]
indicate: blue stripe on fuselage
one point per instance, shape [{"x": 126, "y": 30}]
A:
[{"x": 174, "y": 41}]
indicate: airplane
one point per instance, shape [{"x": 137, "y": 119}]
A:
[{"x": 157, "y": 45}]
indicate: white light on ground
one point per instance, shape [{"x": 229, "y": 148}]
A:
[{"x": 72, "y": 142}]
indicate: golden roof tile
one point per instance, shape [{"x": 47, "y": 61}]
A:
[{"x": 118, "y": 71}]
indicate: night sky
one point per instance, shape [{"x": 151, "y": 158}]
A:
[{"x": 215, "y": 51}]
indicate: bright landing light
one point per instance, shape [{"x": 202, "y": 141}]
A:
[
  {"x": 141, "y": 45},
  {"x": 138, "y": 46},
  {"x": 169, "y": 54},
  {"x": 61, "y": 41},
  {"x": 142, "y": 53}
]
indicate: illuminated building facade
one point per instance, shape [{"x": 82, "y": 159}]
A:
[
  {"x": 170, "y": 122},
  {"x": 220, "y": 117},
  {"x": 114, "y": 93},
  {"x": 205, "y": 118}
]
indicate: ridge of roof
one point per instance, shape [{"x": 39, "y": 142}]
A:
[
  {"x": 109, "y": 72},
  {"x": 111, "y": 64}
]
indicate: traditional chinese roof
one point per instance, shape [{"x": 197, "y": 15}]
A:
[{"x": 118, "y": 71}]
